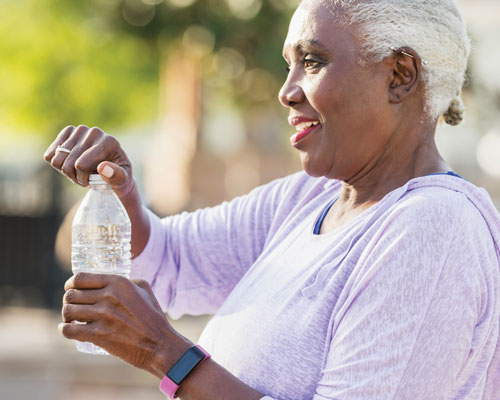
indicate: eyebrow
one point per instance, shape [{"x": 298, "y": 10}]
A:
[{"x": 301, "y": 44}]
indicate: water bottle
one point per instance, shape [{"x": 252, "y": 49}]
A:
[{"x": 101, "y": 234}]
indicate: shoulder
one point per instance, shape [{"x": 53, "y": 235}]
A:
[
  {"x": 457, "y": 220},
  {"x": 442, "y": 205},
  {"x": 430, "y": 200},
  {"x": 428, "y": 217},
  {"x": 430, "y": 227},
  {"x": 421, "y": 213},
  {"x": 462, "y": 225}
]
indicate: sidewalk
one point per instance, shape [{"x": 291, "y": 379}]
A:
[{"x": 38, "y": 363}]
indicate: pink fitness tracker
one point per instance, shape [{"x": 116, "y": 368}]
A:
[{"x": 181, "y": 369}]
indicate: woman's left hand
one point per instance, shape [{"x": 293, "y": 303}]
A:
[{"x": 124, "y": 318}]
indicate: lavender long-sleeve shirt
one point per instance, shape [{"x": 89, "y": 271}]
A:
[{"x": 403, "y": 302}]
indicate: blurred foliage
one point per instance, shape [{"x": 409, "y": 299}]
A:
[
  {"x": 97, "y": 61},
  {"x": 63, "y": 64}
]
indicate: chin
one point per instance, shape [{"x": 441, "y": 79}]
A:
[{"x": 315, "y": 171}]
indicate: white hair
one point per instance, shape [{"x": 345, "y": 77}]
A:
[{"x": 435, "y": 29}]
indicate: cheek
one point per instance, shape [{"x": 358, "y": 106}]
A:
[
  {"x": 338, "y": 98},
  {"x": 324, "y": 96}
]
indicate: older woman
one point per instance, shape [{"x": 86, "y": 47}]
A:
[{"x": 374, "y": 274}]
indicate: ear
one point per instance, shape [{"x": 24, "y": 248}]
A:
[{"x": 406, "y": 66}]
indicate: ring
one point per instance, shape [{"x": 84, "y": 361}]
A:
[{"x": 63, "y": 149}]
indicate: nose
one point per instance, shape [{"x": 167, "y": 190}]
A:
[{"x": 291, "y": 92}]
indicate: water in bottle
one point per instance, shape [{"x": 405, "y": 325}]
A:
[{"x": 101, "y": 234}]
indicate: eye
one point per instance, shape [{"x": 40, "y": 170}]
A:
[
  {"x": 310, "y": 62},
  {"x": 287, "y": 69}
]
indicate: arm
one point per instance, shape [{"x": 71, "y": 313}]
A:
[
  {"x": 125, "y": 319},
  {"x": 195, "y": 266},
  {"x": 193, "y": 260}
]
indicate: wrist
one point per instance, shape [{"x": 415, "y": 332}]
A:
[
  {"x": 139, "y": 218},
  {"x": 182, "y": 369},
  {"x": 128, "y": 193},
  {"x": 168, "y": 354}
]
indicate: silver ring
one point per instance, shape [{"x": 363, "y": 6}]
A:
[{"x": 63, "y": 149}]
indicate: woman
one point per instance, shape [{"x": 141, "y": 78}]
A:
[{"x": 374, "y": 274}]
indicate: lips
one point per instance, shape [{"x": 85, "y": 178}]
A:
[
  {"x": 301, "y": 135},
  {"x": 304, "y": 127}
]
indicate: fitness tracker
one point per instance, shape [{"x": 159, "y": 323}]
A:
[{"x": 181, "y": 369}]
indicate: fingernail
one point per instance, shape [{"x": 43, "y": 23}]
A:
[
  {"x": 107, "y": 171},
  {"x": 60, "y": 326}
]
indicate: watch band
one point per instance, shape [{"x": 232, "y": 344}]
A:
[{"x": 181, "y": 369}]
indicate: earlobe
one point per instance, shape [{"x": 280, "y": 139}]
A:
[{"x": 406, "y": 66}]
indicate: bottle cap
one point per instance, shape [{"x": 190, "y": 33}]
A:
[{"x": 96, "y": 178}]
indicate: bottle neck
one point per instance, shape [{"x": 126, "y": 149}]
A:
[
  {"x": 97, "y": 183},
  {"x": 100, "y": 186}
]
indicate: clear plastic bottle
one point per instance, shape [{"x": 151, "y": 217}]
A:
[{"x": 101, "y": 234}]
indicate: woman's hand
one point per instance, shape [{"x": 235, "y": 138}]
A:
[
  {"x": 124, "y": 318},
  {"x": 81, "y": 151},
  {"x": 90, "y": 150}
]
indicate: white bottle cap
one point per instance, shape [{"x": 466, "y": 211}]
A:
[{"x": 96, "y": 178}]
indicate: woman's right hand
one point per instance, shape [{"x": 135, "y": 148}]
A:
[{"x": 91, "y": 151}]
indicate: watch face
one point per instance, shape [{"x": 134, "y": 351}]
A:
[{"x": 185, "y": 365}]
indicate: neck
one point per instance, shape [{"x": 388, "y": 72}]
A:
[{"x": 409, "y": 154}]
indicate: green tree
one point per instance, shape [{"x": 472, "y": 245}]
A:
[
  {"x": 61, "y": 63},
  {"x": 97, "y": 61}
]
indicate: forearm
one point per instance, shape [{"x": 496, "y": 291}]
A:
[
  {"x": 139, "y": 220},
  {"x": 208, "y": 380},
  {"x": 211, "y": 381}
]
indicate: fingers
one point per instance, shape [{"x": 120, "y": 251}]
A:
[
  {"x": 113, "y": 174},
  {"x": 89, "y": 296},
  {"x": 80, "y": 332},
  {"x": 89, "y": 159},
  {"x": 85, "y": 280},
  {"x": 105, "y": 296},
  {"x": 96, "y": 147},
  {"x": 79, "y": 143},
  {"x": 60, "y": 139},
  {"x": 77, "y": 152},
  {"x": 79, "y": 312},
  {"x": 71, "y": 144},
  {"x": 92, "y": 159},
  {"x": 121, "y": 319}
]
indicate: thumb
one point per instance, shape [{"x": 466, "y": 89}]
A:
[{"x": 112, "y": 173}]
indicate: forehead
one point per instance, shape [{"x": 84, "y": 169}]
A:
[
  {"x": 307, "y": 22},
  {"x": 315, "y": 22}
]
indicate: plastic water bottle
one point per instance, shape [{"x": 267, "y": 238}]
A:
[{"x": 101, "y": 234}]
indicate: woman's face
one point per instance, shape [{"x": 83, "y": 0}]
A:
[{"x": 339, "y": 108}]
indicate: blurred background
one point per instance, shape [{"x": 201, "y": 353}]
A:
[{"x": 189, "y": 87}]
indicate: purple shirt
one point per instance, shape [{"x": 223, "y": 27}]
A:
[{"x": 402, "y": 302}]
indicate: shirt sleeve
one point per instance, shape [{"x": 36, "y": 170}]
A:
[
  {"x": 416, "y": 312},
  {"x": 193, "y": 260}
]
